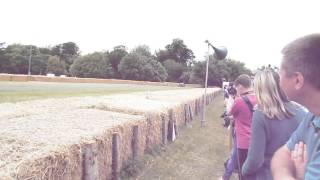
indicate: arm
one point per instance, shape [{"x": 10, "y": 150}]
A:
[
  {"x": 257, "y": 146},
  {"x": 234, "y": 108},
  {"x": 282, "y": 166}
]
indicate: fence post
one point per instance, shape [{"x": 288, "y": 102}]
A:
[
  {"x": 135, "y": 142},
  {"x": 90, "y": 162},
  {"x": 164, "y": 130},
  {"x": 115, "y": 156}
]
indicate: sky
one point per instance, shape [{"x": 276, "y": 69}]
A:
[{"x": 254, "y": 31}]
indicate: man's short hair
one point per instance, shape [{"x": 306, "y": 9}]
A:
[
  {"x": 303, "y": 55},
  {"x": 243, "y": 80}
]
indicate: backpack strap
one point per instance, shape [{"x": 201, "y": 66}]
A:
[{"x": 248, "y": 102}]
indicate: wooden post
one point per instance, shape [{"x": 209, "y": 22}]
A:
[
  {"x": 90, "y": 162},
  {"x": 196, "y": 107},
  {"x": 175, "y": 126},
  {"x": 186, "y": 115},
  {"x": 135, "y": 142},
  {"x": 115, "y": 156},
  {"x": 190, "y": 112},
  {"x": 164, "y": 130},
  {"x": 148, "y": 141},
  {"x": 172, "y": 128}
]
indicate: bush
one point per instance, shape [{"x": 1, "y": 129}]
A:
[
  {"x": 138, "y": 67},
  {"x": 95, "y": 65},
  {"x": 174, "y": 69},
  {"x": 56, "y": 66}
]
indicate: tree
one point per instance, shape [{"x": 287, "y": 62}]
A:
[
  {"x": 142, "y": 50},
  {"x": 185, "y": 77},
  {"x": 115, "y": 57},
  {"x": 95, "y": 65},
  {"x": 139, "y": 67},
  {"x": 174, "y": 70},
  {"x": 163, "y": 55},
  {"x": 236, "y": 68},
  {"x": 39, "y": 64},
  {"x": 66, "y": 52},
  {"x": 15, "y": 58},
  {"x": 4, "y": 61},
  {"x": 56, "y": 66},
  {"x": 45, "y": 50},
  {"x": 217, "y": 71},
  {"x": 178, "y": 51}
]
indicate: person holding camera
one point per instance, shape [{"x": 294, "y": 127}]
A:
[
  {"x": 231, "y": 164},
  {"x": 242, "y": 114}
]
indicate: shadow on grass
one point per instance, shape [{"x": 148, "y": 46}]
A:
[{"x": 198, "y": 153}]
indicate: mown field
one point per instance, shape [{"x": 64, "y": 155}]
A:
[{"x": 22, "y": 91}]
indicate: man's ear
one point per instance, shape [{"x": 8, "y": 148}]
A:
[{"x": 299, "y": 80}]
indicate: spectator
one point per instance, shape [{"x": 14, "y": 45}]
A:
[
  {"x": 274, "y": 120},
  {"x": 242, "y": 114},
  {"x": 300, "y": 79}
]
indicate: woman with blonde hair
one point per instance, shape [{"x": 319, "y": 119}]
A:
[{"x": 274, "y": 120}]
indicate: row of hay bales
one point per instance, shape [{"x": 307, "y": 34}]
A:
[
  {"x": 91, "y": 137},
  {"x": 39, "y": 78}
]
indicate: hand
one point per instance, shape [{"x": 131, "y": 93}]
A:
[{"x": 299, "y": 157}]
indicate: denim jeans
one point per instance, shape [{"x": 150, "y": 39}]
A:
[{"x": 232, "y": 162}]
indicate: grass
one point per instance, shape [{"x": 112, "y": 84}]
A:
[
  {"x": 198, "y": 153},
  {"x": 22, "y": 91}
]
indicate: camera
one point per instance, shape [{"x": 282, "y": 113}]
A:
[
  {"x": 226, "y": 120},
  {"x": 231, "y": 90}
]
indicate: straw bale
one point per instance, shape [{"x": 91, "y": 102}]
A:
[
  {"x": 134, "y": 103},
  {"x": 178, "y": 115},
  {"x": 46, "y": 139},
  {"x": 153, "y": 130},
  {"x": 21, "y": 78},
  {"x": 131, "y": 104},
  {"x": 49, "y": 147},
  {"x": 5, "y": 77}
]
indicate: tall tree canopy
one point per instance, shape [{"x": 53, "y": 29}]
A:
[
  {"x": 115, "y": 57},
  {"x": 177, "y": 51}
]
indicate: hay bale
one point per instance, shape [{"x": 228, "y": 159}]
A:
[
  {"x": 154, "y": 130},
  {"x": 19, "y": 78},
  {"x": 49, "y": 138},
  {"x": 32, "y": 148},
  {"x": 5, "y": 77}
]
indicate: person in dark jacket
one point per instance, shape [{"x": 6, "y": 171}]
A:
[{"x": 274, "y": 120}]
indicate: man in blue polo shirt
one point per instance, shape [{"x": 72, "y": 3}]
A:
[{"x": 300, "y": 79}]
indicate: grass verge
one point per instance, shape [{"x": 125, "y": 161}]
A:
[{"x": 198, "y": 153}]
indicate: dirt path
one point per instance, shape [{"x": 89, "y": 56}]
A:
[{"x": 198, "y": 153}]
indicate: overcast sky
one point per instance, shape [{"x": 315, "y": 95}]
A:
[{"x": 253, "y": 31}]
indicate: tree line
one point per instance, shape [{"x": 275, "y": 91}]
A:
[{"x": 175, "y": 63}]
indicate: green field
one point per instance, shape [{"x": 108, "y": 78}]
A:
[{"x": 22, "y": 91}]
